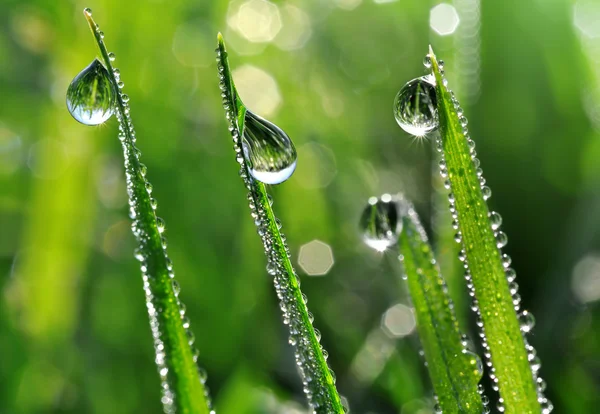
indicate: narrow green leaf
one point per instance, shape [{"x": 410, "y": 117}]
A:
[
  {"x": 455, "y": 371},
  {"x": 318, "y": 379},
  {"x": 491, "y": 280},
  {"x": 183, "y": 389}
]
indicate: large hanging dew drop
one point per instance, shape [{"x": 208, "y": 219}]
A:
[
  {"x": 380, "y": 223},
  {"x": 415, "y": 106},
  {"x": 269, "y": 152},
  {"x": 91, "y": 97}
]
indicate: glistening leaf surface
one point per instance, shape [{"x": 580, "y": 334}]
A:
[
  {"x": 318, "y": 379},
  {"x": 183, "y": 389},
  {"x": 504, "y": 344}
]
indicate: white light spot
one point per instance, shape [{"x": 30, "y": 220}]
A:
[
  {"x": 586, "y": 17},
  {"x": 586, "y": 279},
  {"x": 315, "y": 258},
  {"x": 258, "y": 89},
  {"x": 258, "y": 21},
  {"x": 398, "y": 321},
  {"x": 443, "y": 19},
  {"x": 296, "y": 28}
]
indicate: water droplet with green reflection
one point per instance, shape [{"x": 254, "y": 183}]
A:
[
  {"x": 269, "y": 152},
  {"x": 380, "y": 222},
  {"x": 415, "y": 106},
  {"x": 91, "y": 96}
]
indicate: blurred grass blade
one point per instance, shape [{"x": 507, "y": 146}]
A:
[
  {"x": 514, "y": 365},
  {"x": 455, "y": 371},
  {"x": 318, "y": 379},
  {"x": 182, "y": 380}
]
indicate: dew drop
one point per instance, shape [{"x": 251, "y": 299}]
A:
[
  {"x": 495, "y": 220},
  {"x": 111, "y": 57},
  {"x": 427, "y": 62},
  {"x": 160, "y": 225},
  {"x": 91, "y": 96},
  {"x": 380, "y": 224},
  {"x": 501, "y": 239},
  {"x": 415, "y": 106},
  {"x": 269, "y": 152},
  {"x": 527, "y": 321}
]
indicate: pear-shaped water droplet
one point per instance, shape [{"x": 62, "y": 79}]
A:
[
  {"x": 415, "y": 106},
  {"x": 380, "y": 223},
  {"x": 91, "y": 96},
  {"x": 269, "y": 152}
]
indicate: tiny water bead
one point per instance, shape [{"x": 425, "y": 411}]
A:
[
  {"x": 91, "y": 96},
  {"x": 380, "y": 223},
  {"x": 415, "y": 106},
  {"x": 269, "y": 152}
]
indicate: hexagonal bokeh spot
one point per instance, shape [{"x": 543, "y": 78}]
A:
[
  {"x": 398, "y": 321},
  {"x": 315, "y": 258},
  {"x": 258, "y": 89},
  {"x": 443, "y": 19},
  {"x": 256, "y": 20}
]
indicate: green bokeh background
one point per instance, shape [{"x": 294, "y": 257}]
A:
[{"x": 74, "y": 335}]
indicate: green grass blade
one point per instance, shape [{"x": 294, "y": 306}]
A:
[
  {"x": 490, "y": 279},
  {"x": 318, "y": 379},
  {"x": 454, "y": 370},
  {"x": 183, "y": 389}
]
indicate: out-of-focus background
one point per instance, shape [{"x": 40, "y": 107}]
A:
[{"x": 74, "y": 334}]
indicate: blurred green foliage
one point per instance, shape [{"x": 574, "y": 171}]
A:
[{"x": 74, "y": 335}]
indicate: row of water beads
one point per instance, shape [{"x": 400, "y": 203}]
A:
[
  {"x": 265, "y": 153},
  {"x": 380, "y": 225},
  {"x": 413, "y": 112},
  {"x": 92, "y": 98}
]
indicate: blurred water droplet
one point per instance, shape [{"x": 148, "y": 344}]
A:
[
  {"x": 415, "y": 106},
  {"x": 269, "y": 152},
  {"x": 380, "y": 224},
  {"x": 91, "y": 96}
]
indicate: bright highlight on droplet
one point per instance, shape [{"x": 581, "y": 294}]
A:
[
  {"x": 398, "y": 321},
  {"x": 91, "y": 96},
  {"x": 415, "y": 107},
  {"x": 380, "y": 223},
  {"x": 443, "y": 19},
  {"x": 315, "y": 258},
  {"x": 258, "y": 21},
  {"x": 270, "y": 154}
]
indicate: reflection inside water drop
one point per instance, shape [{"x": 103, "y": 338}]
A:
[
  {"x": 269, "y": 152},
  {"x": 415, "y": 106},
  {"x": 91, "y": 96},
  {"x": 380, "y": 223}
]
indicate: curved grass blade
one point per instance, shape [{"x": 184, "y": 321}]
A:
[
  {"x": 513, "y": 362},
  {"x": 455, "y": 371},
  {"x": 318, "y": 379},
  {"x": 182, "y": 381}
]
